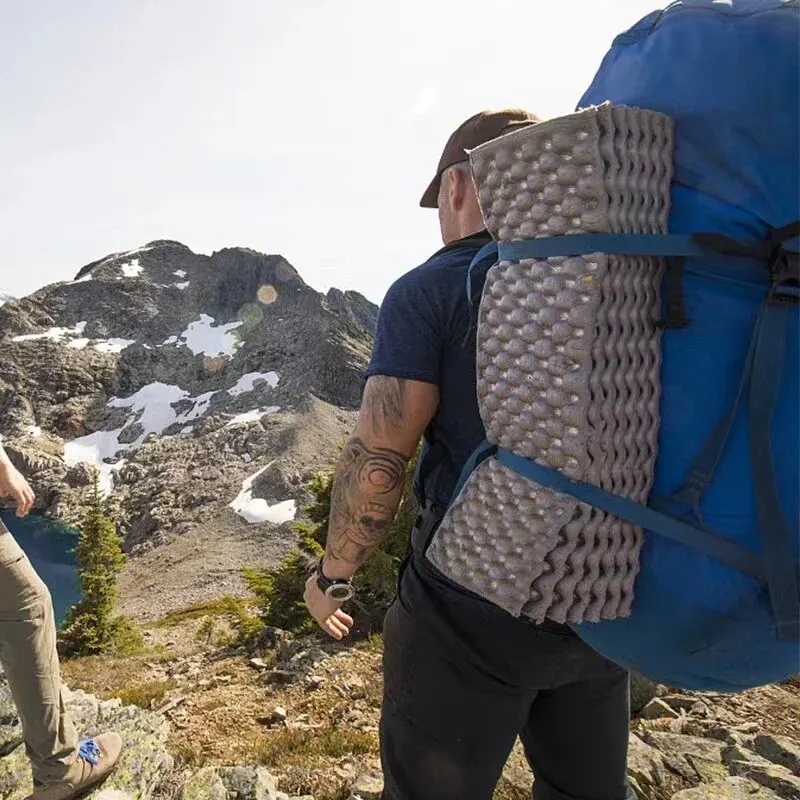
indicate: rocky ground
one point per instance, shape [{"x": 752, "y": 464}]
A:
[
  {"x": 302, "y": 719},
  {"x": 203, "y": 560}
]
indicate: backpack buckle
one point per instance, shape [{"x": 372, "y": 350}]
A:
[{"x": 784, "y": 269}]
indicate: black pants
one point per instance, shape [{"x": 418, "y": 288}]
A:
[{"x": 463, "y": 679}]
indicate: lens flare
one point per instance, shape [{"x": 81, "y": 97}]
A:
[{"x": 267, "y": 294}]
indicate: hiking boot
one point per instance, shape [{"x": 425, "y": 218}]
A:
[{"x": 96, "y": 760}]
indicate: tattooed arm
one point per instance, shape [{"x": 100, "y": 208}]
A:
[{"x": 368, "y": 484}]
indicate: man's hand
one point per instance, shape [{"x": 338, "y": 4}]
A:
[
  {"x": 13, "y": 485},
  {"x": 326, "y": 611}
]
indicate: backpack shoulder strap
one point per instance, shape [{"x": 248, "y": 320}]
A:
[{"x": 487, "y": 252}]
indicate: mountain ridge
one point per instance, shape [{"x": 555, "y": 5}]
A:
[{"x": 205, "y": 389}]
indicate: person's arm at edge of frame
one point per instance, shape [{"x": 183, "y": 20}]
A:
[
  {"x": 13, "y": 485},
  {"x": 368, "y": 484}
]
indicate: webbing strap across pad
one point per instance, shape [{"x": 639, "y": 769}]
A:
[
  {"x": 687, "y": 533},
  {"x": 630, "y": 244}
]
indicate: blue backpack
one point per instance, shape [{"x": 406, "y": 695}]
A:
[{"x": 717, "y": 605}]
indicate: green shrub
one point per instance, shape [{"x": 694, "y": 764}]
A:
[
  {"x": 227, "y": 622},
  {"x": 220, "y": 607},
  {"x": 128, "y": 638},
  {"x": 279, "y": 592}
]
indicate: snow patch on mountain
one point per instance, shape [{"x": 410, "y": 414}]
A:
[
  {"x": 256, "y": 510},
  {"x": 152, "y": 409},
  {"x": 202, "y": 337},
  {"x": 113, "y": 345},
  {"x": 72, "y": 338},
  {"x": 132, "y": 269},
  {"x": 97, "y": 449},
  {"x": 126, "y": 254},
  {"x": 205, "y": 337},
  {"x": 250, "y": 380},
  {"x": 56, "y": 334},
  {"x": 252, "y": 416}
]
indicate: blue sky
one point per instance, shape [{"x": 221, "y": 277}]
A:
[{"x": 308, "y": 128}]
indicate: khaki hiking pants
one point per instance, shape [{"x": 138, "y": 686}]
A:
[{"x": 28, "y": 655}]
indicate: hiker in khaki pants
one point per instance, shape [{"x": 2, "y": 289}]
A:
[{"x": 63, "y": 768}]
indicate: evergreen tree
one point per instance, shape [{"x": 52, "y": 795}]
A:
[{"x": 90, "y": 626}]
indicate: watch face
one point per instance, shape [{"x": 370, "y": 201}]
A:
[{"x": 340, "y": 591}]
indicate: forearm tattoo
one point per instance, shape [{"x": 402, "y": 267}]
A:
[
  {"x": 369, "y": 481},
  {"x": 367, "y": 490}
]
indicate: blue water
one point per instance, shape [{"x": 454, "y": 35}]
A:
[{"x": 50, "y": 548}]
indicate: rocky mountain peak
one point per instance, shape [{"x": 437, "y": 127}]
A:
[{"x": 203, "y": 388}]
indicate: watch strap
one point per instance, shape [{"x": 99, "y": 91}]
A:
[{"x": 326, "y": 583}]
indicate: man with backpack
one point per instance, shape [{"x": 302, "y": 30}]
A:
[
  {"x": 63, "y": 768},
  {"x": 463, "y": 678}
]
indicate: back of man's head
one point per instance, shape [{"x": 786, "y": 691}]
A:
[{"x": 452, "y": 190}]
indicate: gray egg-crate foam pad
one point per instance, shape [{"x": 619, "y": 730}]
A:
[{"x": 568, "y": 366}]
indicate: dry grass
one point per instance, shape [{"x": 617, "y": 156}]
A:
[
  {"x": 291, "y": 746},
  {"x": 188, "y": 754},
  {"x": 108, "y": 677},
  {"x": 148, "y": 694},
  {"x": 126, "y": 679}
]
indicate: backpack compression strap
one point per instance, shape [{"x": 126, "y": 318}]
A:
[{"x": 777, "y": 567}]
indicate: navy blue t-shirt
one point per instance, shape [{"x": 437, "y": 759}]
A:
[{"x": 426, "y": 333}]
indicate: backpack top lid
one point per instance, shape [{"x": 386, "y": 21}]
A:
[{"x": 728, "y": 73}]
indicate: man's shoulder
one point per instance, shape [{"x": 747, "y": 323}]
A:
[
  {"x": 442, "y": 275},
  {"x": 423, "y": 312}
]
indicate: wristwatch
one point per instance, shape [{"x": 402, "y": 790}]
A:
[{"x": 340, "y": 589}]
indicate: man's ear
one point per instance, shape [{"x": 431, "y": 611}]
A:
[
  {"x": 460, "y": 182},
  {"x": 447, "y": 188}
]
